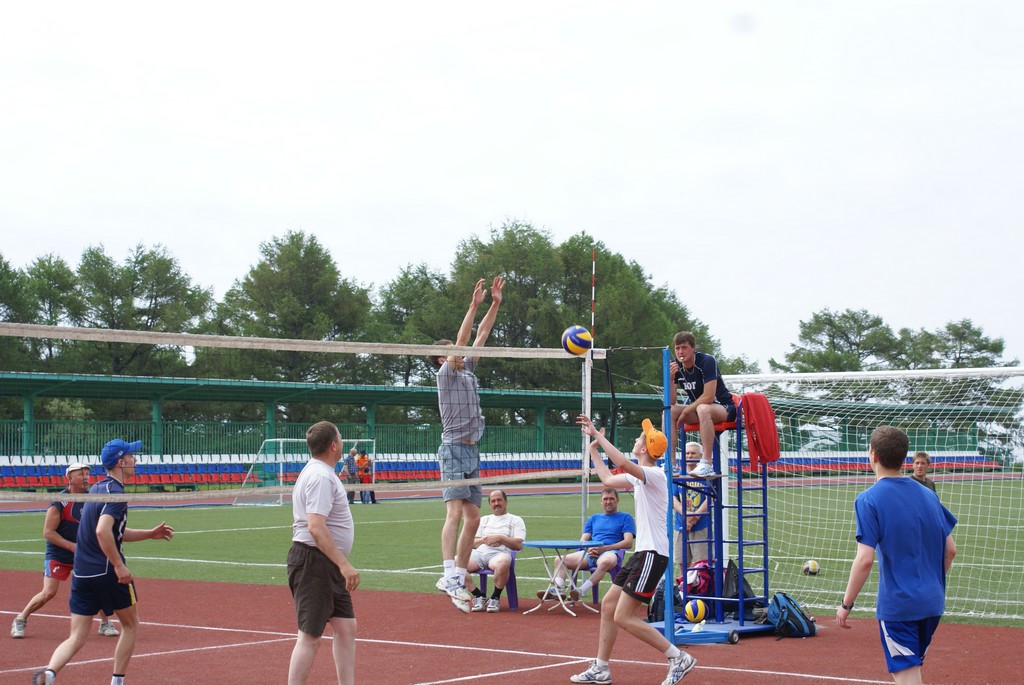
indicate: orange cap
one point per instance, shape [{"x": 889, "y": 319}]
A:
[{"x": 657, "y": 443}]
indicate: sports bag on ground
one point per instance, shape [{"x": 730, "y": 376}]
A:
[{"x": 788, "y": 617}]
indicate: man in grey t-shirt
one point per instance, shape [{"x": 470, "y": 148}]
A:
[
  {"x": 459, "y": 457},
  {"x": 319, "y": 573}
]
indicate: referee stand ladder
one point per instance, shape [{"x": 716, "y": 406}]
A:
[{"x": 727, "y": 616}]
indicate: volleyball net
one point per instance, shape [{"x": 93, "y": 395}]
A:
[{"x": 225, "y": 413}]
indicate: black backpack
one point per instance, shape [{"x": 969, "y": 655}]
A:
[
  {"x": 789, "y": 618},
  {"x": 656, "y": 609}
]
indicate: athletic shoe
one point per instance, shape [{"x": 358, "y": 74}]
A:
[
  {"x": 442, "y": 584},
  {"x": 456, "y": 590},
  {"x": 18, "y": 627},
  {"x": 556, "y": 592},
  {"x": 43, "y": 677},
  {"x": 107, "y": 629},
  {"x": 478, "y": 603},
  {"x": 702, "y": 470},
  {"x": 461, "y": 605},
  {"x": 550, "y": 593},
  {"x": 493, "y": 605},
  {"x": 678, "y": 667},
  {"x": 594, "y": 674}
]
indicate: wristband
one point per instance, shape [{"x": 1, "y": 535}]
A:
[{"x": 848, "y": 607}]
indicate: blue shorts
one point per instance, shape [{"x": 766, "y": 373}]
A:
[
  {"x": 459, "y": 462},
  {"x": 100, "y": 593},
  {"x": 905, "y": 642}
]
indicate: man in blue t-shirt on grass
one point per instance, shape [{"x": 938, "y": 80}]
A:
[
  {"x": 101, "y": 580},
  {"x": 912, "y": 532},
  {"x": 615, "y": 531}
]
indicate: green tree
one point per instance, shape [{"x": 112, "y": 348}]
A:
[
  {"x": 58, "y": 300},
  {"x": 404, "y": 313},
  {"x": 851, "y": 340},
  {"x": 148, "y": 292},
  {"x": 15, "y": 307},
  {"x": 964, "y": 345},
  {"x": 295, "y": 291}
]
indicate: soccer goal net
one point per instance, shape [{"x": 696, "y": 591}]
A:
[
  {"x": 279, "y": 461},
  {"x": 968, "y": 422}
]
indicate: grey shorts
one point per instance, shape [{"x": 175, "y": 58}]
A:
[{"x": 459, "y": 462}]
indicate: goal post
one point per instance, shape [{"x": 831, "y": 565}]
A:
[{"x": 278, "y": 462}]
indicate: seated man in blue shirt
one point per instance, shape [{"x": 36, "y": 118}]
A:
[{"x": 615, "y": 531}]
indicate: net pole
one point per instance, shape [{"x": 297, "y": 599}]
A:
[{"x": 587, "y": 369}]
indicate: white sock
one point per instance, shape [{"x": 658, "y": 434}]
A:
[
  {"x": 117, "y": 680},
  {"x": 559, "y": 582},
  {"x": 601, "y": 663},
  {"x": 460, "y": 573},
  {"x": 669, "y": 652},
  {"x": 586, "y": 586},
  {"x": 449, "y": 568}
]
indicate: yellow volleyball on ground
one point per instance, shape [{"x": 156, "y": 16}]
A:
[{"x": 695, "y": 610}]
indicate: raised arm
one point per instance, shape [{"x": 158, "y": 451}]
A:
[
  {"x": 466, "y": 328},
  {"x": 617, "y": 458},
  {"x": 483, "y": 331}
]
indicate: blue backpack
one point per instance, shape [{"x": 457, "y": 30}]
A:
[{"x": 789, "y": 619}]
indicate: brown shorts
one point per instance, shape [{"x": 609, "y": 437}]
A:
[{"x": 317, "y": 588}]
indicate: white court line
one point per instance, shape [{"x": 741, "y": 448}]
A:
[
  {"x": 568, "y": 659},
  {"x": 151, "y": 654}
]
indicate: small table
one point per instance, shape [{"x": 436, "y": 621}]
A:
[{"x": 559, "y": 548}]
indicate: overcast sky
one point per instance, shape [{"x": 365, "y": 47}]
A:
[{"x": 764, "y": 160}]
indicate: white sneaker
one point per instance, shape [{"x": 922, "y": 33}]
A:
[
  {"x": 44, "y": 677},
  {"x": 702, "y": 470},
  {"x": 478, "y": 603},
  {"x": 493, "y": 605},
  {"x": 678, "y": 667},
  {"x": 461, "y": 605},
  {"x": 456, "y": 590},
  {"x": 18, "y": 627},
  {"x": 594, "y": 674},
  {"x": 107, "y": 629},
  {"x": 442, "y": 584}
]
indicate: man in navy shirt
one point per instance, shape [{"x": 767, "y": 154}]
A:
[
  {"x": 709, "y": 401},
  {"x": 101, "y": 579}
]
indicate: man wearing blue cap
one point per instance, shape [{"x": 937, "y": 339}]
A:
[
  {"x": 101, "y": 579},
  {"x": 60, "y": 530}
]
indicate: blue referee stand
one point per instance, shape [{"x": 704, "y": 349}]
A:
[{"x": 728, "y": 618}]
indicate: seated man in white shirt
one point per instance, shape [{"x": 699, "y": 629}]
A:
[{"x": 499, "y": 533}]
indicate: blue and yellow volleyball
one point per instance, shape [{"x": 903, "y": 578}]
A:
[
  {"x": 695, "y": 610},
  {"x": 577, "y": 340},
  {"x": 810, "y": 568}
]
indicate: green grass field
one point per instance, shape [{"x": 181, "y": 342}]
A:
[{"x": 397, "y": 544}]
